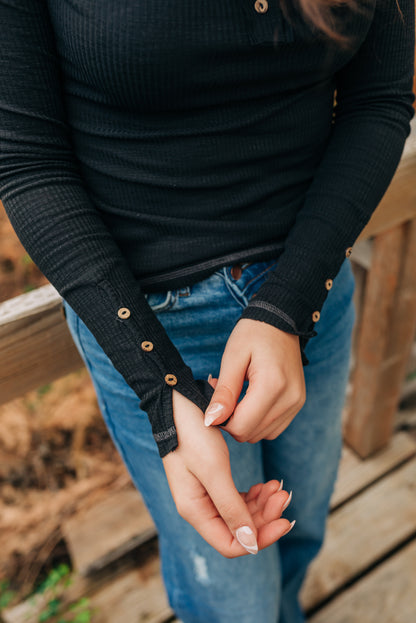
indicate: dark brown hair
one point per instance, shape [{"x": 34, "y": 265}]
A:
[{"x": 321, "y": 15}]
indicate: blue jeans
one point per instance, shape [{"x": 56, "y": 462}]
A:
[{"x": 203, "y": 586}]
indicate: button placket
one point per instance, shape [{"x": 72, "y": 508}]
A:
[{"x": 316, "y": 316}]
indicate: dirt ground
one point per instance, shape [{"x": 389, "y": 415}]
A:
[{"x": 55, "y": 452}]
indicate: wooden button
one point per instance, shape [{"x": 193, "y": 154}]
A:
[
  {"x": 261, "y": 6},
  {"x": 328, "y": 284},
  {"x": 348, "y": 252},
  {"x": 123, "y": 313},
  {"x": 315, "y": 316},
  {"x": 147, "y": 346},
  {"x": 171, "y": 379}
]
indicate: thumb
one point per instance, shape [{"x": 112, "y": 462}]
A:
[
  {"x": 233, "y": 509},
  {"x": 227, "y": 390}
]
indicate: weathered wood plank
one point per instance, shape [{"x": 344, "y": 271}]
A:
[
  {"x": 130, "y": 595},
  {"x": 408, "y": 389},
  {"x": 386, "y": 595},
  {"x": 399, "y": 203},
  {"x": 355, "y": 473},
  {"x": 406, "y": 418},
  {"x": 362, "y": 253},
  {"x": 105, "y": 532},
  {"x": 108, "y": 530},
  {"x": 20, "y": 307},
  {"x": 365, "y": 431},
  {"x": 401, "y": 335},
  {"x": 360, "y": 278},
  {"x": 352, "y": 544},
  {"x": 362, "y": 532},
  {"x": 138, "y": 596},
  {"x": 386, "y": 337},
  {"x": 388, "y": 318},
  {"x": 35, "y": 344}
]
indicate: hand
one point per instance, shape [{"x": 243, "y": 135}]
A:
[
  {"x": 199, "y": 477},
  {"x": 270, "y": 360}
]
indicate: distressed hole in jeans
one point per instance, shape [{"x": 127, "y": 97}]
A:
[{"x": 201, "y": 569}]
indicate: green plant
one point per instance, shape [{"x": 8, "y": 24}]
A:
[
  {"x": 28, "y": 288},
  {"x": 52, "y": 591},
  {"x": 26, "y": 259},
  {"x": 411, "y": 375},
  {"x": 6, "y": 594},
  {"x": 44, "y": 389}
]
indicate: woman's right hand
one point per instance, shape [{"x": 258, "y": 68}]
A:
[{"x": 200, "y": 480}]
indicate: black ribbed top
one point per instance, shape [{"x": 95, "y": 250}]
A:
[{"x": 145, "y": 144}]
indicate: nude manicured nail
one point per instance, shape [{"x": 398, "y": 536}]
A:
[
  {"x": 286, "y": 504},
  {"x": 290, "y": 528},
  {"x": 246, "y": 538},
  {"x": 213, "y": 412},
  {"x": 209, "y": 377},
  {"x": 281, "y": 485}
]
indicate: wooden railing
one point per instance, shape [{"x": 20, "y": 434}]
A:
[{"x": 36, "y": 346}]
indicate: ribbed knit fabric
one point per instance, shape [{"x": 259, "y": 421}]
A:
[{"x": 145, "y": 144}]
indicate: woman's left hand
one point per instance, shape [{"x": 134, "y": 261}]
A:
[{"x": 270, "y": 360}]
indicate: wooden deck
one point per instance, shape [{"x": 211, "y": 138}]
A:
[{"x": 365, "y": 573}]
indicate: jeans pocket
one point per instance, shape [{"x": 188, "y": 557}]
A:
[
  {"x": 252, "y": 277},
  {"x": 161, "y": 301}
]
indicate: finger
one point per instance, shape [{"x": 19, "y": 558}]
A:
[
  {"x": 228, "y": 387},
  {"x": 258, "y": 503},
  {"x": 273, "y": 531},
  {"x": 233, "y": 510},
  {"x": 250, "y": 413},
  {"x": 276, "y": 505},
  {"x": 275, "y": 428},
  {"x": 252, "y": 499},
  {"x": 214, "y": 530},
  {"x": 254, "y": 492},
  {"x": 263, "y": 491},
  {"x": 270, "y": 487},
  {"x": 198, "y": 509}
]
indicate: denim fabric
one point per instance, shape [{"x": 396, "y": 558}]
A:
[{"x": 202, "y": 586}]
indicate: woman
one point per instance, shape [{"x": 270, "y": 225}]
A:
[{"x": 177, "y": 172}]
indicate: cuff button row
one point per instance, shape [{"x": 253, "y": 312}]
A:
[
  {"x": 315, "y": 316},
  {"x": 147, "y": 346},
  {"x": 171, "y": 379},
  {"x": 123, "y": 313}
]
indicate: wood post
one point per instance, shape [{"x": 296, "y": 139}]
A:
[{"x": 386, "y": 334}]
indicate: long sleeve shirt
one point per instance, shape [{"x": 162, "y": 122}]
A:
[{"x": 145, "y": 144}]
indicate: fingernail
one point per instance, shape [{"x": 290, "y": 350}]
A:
[
  {"x": 286, "y": 504},
  {"x": 209, "y": 377},
  {"x": 281, "y": 485},
  {"x": 213, "y": 412},
  {"x": 246, "y": 538},
  {"x": 290, "y": 528}
]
